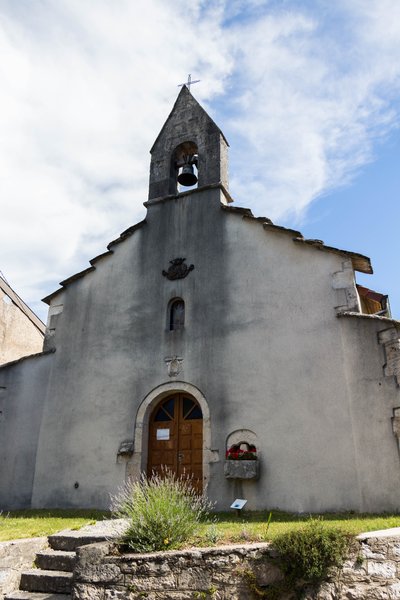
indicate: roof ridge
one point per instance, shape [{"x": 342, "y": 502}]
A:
[{"x": 185, "y": 92}]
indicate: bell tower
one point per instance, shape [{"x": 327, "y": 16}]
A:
[{"x": 189, "y": 149}]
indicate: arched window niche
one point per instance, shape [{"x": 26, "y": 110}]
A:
[
  {"x": 242, "y": 455},
  {"x": 184, "y": 166},
  {"x": 176, "y": 314}
]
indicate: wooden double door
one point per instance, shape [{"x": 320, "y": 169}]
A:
[{"x": 176, "y": 438}]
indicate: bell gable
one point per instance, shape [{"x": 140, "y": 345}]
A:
[{"x": 189, "y": 139}]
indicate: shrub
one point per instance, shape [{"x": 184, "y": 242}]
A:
[
  {"x": 163, "y": 512},
  {"x": 308, "y": 552},
  {"x": 212, "y": 534}
]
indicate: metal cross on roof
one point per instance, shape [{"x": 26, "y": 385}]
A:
[{"x": 189, "y": 82}]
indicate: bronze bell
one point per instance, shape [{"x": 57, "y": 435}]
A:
[{"x": 187, "y": 177}]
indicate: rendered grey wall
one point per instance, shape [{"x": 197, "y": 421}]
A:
[
  {"x": 372, "y": 398},
  {"x": 309, "y": 385},
  {"x": 262, "y": 343},
  {"x": 112, "y": 341},
  {"x": 22, "y": 392}
]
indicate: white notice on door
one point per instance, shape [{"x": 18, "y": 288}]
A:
[{"x": 163, "y": 434}]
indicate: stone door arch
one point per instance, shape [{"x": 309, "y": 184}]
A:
[
  {"x": 176, "y": 438},
  {"x": 139, "y": 462}
]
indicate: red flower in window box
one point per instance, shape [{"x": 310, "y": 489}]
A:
[{"x": 242, "y": 451}]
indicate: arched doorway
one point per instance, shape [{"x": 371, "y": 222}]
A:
[{"x": 176, "y": 437}]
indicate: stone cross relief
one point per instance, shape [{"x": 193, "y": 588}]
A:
[{"x": 174, "y": 365}]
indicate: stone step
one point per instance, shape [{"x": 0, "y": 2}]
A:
[
  {"x": 101, "y": 531},
  {"x": 37, "y": 580},
  {"x": 20, "y": 595},
  {"x": 55, "y": 560},
  {"x": 70, "y": 541}
]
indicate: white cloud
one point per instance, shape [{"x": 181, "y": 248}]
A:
[
  {"x": 316, "y": 100},
  {"x": 86, "y": 87}
]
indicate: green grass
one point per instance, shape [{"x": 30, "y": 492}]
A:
[
  {"x": 222, "y": 528},
  {"x": 252, "y": 526},
  {"x": 36, "y": 523}
]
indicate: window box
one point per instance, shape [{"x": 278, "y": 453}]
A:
[{"x": 241, "y": 469}]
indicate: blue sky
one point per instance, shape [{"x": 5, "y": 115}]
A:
[
  {"x": 307, "y": 93},
  {"x": 365, "y": 217}
]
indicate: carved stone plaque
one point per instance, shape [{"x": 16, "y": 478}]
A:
[
  {"x": 174, "y": 365},
  {"x": 178, "y": 269}
]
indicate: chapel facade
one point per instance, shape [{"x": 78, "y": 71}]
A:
[{"x": 216, "y": 344}]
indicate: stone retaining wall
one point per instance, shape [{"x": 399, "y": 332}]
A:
[
  {"x": 229, "y": 573},
  {"x": 15, "y": 556},
  {"x": 372, "y": 572},
  {"x": 197, "y": 573}
]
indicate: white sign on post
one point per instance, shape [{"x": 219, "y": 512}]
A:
[{"x": 239, "y": 503}]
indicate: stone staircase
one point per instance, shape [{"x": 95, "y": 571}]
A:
[
  {"x": 53, "y": 575},
  {"x": 52, "y": 579}
]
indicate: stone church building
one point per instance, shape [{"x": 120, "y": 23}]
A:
[{"x": 216, "y": 343}]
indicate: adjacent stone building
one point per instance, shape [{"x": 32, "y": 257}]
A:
[
  {"x": 21, "y": 331},
  {"x": 216, "y": 343}
]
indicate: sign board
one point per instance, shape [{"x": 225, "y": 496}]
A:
[
  {"x": 239, "y": 503},
  {"x": 163, "y": 434}
]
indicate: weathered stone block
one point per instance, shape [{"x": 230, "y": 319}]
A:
[
  {"x": 241, "y": 469},
  {"x": 194, "y": 579},
  {"x": 378, "y": 551},
  {"x": 382, "y": 569},
  {"x": 357, "y": 570},
  {"x": 120, "y": 594},
  {"x": 149, "y": 568},
  {"x": 92, "y": 554},
  {"x": 327, "y": 591},
  {"x": 85, "y": 591},
  {"x": 9, "y": 580},
  {"x": 394, "y": 551},
  {"x": 220, "y": 579},
  {"x": 150, "y": 583},
  {"x": 267, "y": 573},
  {"x": 353, "y": 593},
  {"x": 394, "y": 590},
  {"x": 106, "y": 574}
]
